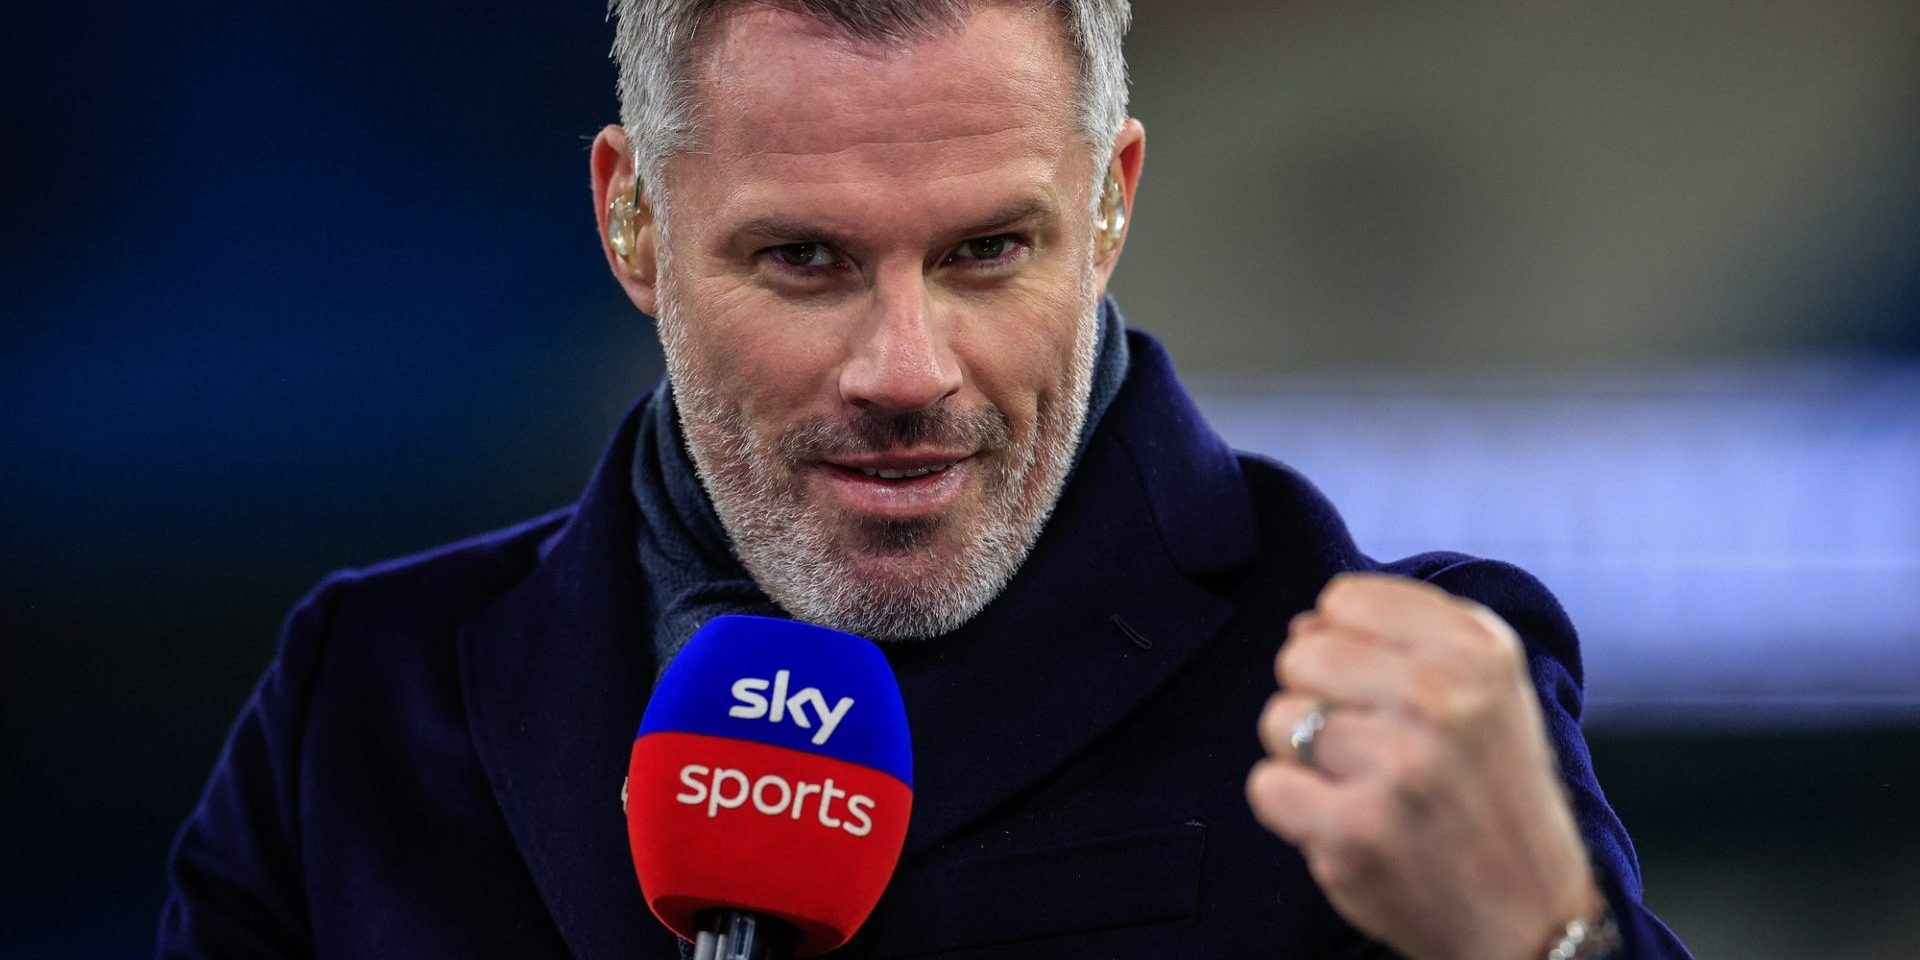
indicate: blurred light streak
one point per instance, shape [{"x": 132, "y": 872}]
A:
[{"x": 1739, "y": 546}]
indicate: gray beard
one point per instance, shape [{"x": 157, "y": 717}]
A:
[{"x": 790, "y": 546}]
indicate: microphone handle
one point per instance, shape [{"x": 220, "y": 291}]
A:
[{"x": 739, "y": 935}]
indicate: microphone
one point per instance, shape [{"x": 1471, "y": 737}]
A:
[{"x": 769, "y": 788}]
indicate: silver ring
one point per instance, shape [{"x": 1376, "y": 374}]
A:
[{"x": 1306, "y": 730}]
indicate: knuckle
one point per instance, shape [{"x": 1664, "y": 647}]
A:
[
  {"x": 1270, "y": 801},
  {"x": 1446, "y": 702},
  {"x": 1287, "y": 665},
  {"x": 1344, "y": 595},
  {"x": 1498, "y": 665},
  {"x": 1259, "y": 786},
  {"x": 1462, "y": 710},
  {"x": 1443, "y": 699},
  {"x": 1496, "y": 637},
  {"x": 1429, "y": 692},
  {"x": 1303, "y": 658},
  {"x": 1488, "y": 658},
  {"x": 1265, "y": 791},
  {"x": 1512, "y": 653},
  {"x": 1272, "y": 722}
]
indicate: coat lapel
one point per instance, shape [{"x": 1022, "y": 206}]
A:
[
  {"x": 1103, "y": 614},
  {"x": 556, "y": 675}
]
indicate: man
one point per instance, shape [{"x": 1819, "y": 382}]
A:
[{"x": 877, "y": 237}]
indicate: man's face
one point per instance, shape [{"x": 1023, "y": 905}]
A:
[{"x": 877, "y": 296}]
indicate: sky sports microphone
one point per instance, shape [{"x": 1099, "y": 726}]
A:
[{"x": 769, "y": 788}]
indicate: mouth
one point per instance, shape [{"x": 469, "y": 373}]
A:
[
  {"x": 885, "y": 473},
  {"x": 899, "y": 486}
]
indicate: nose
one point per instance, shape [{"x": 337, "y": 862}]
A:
[{"x": 901, "y": 360}]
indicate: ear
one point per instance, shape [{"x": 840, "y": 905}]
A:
[
  {"x": 1124, "y": 164},
  {"x": 614, "y": 177}
]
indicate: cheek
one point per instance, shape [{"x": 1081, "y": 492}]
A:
[
  {"x": 764, "y": 363},
  {"x": 1022, "y": 357}
]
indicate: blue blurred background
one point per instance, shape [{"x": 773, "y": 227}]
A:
[{"x": 1627, "y": 293}]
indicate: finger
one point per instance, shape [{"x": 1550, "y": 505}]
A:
[
  {"x": 1277, "y": 720},
  {"x": 1400, "y": 611},
  {"x": 1344, "y": 665},
  {"x": 1281, "y": 716},
  {"x": 1291, "y": 801},
  {"x": 1345, "y": 747}
]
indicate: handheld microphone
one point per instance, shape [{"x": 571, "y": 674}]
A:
[{"x": 769, "y": 787}]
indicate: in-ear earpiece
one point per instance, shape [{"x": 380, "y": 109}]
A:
[
  {"x": 1113, "y": 216},
  {"x": 620, "y": 214}
]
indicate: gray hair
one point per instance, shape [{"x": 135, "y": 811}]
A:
[{"x": 654, "y": 44}]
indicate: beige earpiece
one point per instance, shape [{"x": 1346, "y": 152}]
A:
[
  {"x": 1112, "y": 224},
  {"x": 620, "y": 214}
]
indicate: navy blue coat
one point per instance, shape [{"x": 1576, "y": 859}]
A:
[{"x": 431, "y": 766}]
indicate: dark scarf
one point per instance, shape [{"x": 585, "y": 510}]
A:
[{"x": 685, "y": 556}]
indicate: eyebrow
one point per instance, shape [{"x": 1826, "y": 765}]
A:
[
  {"x": 1020, "y": 209},
  {"x": 778, "y": 227}
]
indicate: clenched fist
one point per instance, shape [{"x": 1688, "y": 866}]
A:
[{"x": 1429, "y": 805}]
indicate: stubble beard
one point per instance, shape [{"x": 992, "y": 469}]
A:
[{"x": 886, "y": 580}]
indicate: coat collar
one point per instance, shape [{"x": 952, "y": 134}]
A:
[{"x": 1108, "y": 608}]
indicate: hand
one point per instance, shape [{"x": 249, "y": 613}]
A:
[{"x": 1432, "y": 814}]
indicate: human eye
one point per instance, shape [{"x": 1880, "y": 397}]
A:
[
  {"x": 987, "y": 252},
  {"x": 808, "y": 259}
]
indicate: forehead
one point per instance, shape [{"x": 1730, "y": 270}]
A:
[{"x": 784, "y": 97}]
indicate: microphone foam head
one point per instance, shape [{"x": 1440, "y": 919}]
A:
[{"x": 772, "y": 773}]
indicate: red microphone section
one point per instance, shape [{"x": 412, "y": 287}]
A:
[{"x": 772, "y": 775}]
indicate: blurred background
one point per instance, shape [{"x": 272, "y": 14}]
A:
[{"x": 1627, "y": 293}]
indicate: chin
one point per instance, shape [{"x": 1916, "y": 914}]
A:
[
  {"x": 916, "y": 586},
  {"x": 899, "y": 573}
]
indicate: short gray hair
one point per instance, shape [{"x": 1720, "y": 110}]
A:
[{"x": 654, "y": 44}]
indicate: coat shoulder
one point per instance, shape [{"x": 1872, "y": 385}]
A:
[
  {"x": 443, "y": 584},
  {"x": 380, "y": 622}
]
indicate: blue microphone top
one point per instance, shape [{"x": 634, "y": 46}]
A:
[{"x": 786, "y": 684}]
